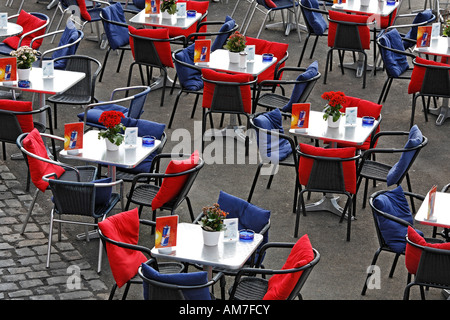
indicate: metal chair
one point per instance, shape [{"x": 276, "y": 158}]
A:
[
  {"x": 79, "y": 199},
  {"x": 84, "y": 92},
  {"x": 119, "y": 234},
  {"x": 248, "y": 286},
  {"x": 38, "y": 166},
  {"x": 10, "y": 2}
]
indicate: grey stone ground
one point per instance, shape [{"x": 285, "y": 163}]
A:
[{"x": 339, "y": 275}]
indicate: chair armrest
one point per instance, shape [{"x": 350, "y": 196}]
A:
[
  {"x": 125, "y": 245},
  {"x": 57, "y": 48}
]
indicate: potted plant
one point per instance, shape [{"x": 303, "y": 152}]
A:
[
  {"x": 168, "y": 8},
  {"x": 235, "y": 44},
  {"x": 212, "y": 224},
  {"x": 114, "y": 128},
  {"x": 446, "y": 31},
  {"x": 332, "y": 110},
  {"x": 25, "y": 58}
]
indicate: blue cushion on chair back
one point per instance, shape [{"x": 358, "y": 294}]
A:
[
  {"x": 183, "y": 279},
  {"x": 117, "y": 35},
  {"x": 415, "y": 138},
  {"x": 426, "y": 15},
  {"x": 395, "y": 63},
  {"x": 189, "y": 78},
  {"x": 271, "y": 148},
  {"x": 70, "y": 35},
  {"x": 221, "y": 39},
  {"x": 139, "y": 3},
  {"x": 315, "y": 19},
  {"x": 394, "y": 203},
  {"x": 298, "y": 89},
  {"x": 145, "y": 128}
]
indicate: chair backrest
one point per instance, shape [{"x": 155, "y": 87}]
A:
[
  {"x": 34, "y": 24},
  {"x": 136, "y": 106},
  {"x": 348, "y": 31},
  {"x": 314, "y": 19},
  {"x": 422, "y": 18},
  {"x": 115, "y": 26},
  {"x": 434, "y": 77},
  {"x": 189, "y": 75},
  {"x": 305, "y": 274},
  {"x": 327, "y": 170},
  {"x": 90, "y": 66},
  {"x": 393, "y": 53},
  {"x": 227, "y": 93},
  {"x": 10, "y": 128},
  {"x": 67, "y": 46},
  {"x": 151, "y": 47}
]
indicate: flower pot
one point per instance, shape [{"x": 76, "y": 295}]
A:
[
  {"x": 211, "y": 238},
  {"x": 333, "y": 124},
  {"x": 166, "y": 15},
  {"x": 448, "y": 42},
  {"x": 365, "y": 2},
  {"x": 111, "y": 146},
  {"x": 234, "y": 57},
  {"x": 23, "y": 74}
]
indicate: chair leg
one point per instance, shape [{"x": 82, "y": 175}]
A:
[
  {"x": 394, "y": 264},
  {"x": 105, "y": 60},
  {"x": 195, "y": 105},
  {"x": 50, "y": 234},
  {"x": 255, "y": 179},
  {"x": 330, "y": 52},
  {"x": 30, "y": 210},
  {"x": 303, "y": 51},
  {"x": 55, "y": 120},
  {"x": 113, "y": 290},
  {"x": 174, "y": 109},
  {"x": 374, "y": 261},
  {"x": 191, "y": 212},
  {"x": 413, "y": 110},
  {"x": 119, "y": 64}
]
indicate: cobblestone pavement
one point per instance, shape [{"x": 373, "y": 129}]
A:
[{"x": 23, "y": 273}]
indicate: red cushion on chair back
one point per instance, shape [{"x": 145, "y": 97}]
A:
[
  {"x": 208, "y": 88},
  {"x": 83, "y": 10},
  {"x": 364, "y": 31},
  {"x": 163, "y": 48},
  {"x": 199, "y": 6},
  {"x": 349, "y": 167},
  {"x": 28, "y": 23},
  {"x": 263, "y": 46},
  {"x": 171, "y": 186},
  {"x": 123, "y": 227},
  {"x": 33, "y": 143},
  {"x": 415, "y": 84},
  {"x": 26, "y": 120},
  {"x": 281, "y": 285}
]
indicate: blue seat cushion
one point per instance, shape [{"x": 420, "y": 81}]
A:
[
  {"x": 221, "y": 39},
  {"x": 94, "y": 114},
  {"x": 145, "y": 128},
  {"x": 315, "y": 19},
  {"x": 394, "y": 203},
  {"x": 423, "y": 16},
  {"x": 298, "y": 89},
  {"x": 189, "y": 78},
  {"x": 270, "y": 148},
  {"x": 102, "y": 194},
  {"x": 415, "y": 138},
  {"x": 70, "y": 35},
  {"x": 184, "y": 279},
  {"x": 5, "y": 49},
  {"x": 117, "y": 35},
  {"x": 396, "y": 64}
]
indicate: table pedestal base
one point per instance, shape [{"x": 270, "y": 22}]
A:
[
  {"x": 442, "y": 113},
  {"x": 329, "y": 203},
  {"x": 232, "y": 131}
]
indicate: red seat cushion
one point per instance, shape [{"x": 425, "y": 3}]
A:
[
  {"x": 28, "y": 23},
  {"x": 171, "y": 186},
  {"x": 412, "y": 254},
  {"x": 263, "y": 46},
  {"x": 281, "y": 285},
  {"x": 208, "y": 88},
  {"x": 83, "y": 10},
  {"x": 364, "y": 31},
  {"x": 349, "y": 167},
  {"x": 415, "y": 84},
  {"x": 365, "y": 109},
  {"x": 163, "y": 48},
  {"x": 26, "y": 120},
  {"x": 34, "y": 144},
  {"x": 199, "y": 6},
  {"x": 123, "y": 227}
]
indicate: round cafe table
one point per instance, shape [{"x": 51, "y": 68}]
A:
[{"x": 12, "y": 29}]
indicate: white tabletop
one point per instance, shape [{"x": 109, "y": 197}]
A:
[
  {"x": 12, "y": 29},
  {"x": 61, "y": 81},
  {"x": 318, "y": 129},
  {"x": 219, "y": 60},
  {"x": 156, "y": 20},
  {"x": 94, "y": 150},
  {"x": 441, "y": 213},
  {"x": 438, "y": 47},
  {"x": 190, "y": 248},
  {"x": 374, "y": 7}
]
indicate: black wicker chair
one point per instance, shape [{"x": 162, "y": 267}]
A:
[
  {"x": 247, "y": 286},
  {"x": 83, "y": 93}
]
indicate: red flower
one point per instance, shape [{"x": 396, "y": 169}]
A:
[{"x": 110, "y": 118}]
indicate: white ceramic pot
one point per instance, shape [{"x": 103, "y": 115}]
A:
[
  {"x": 448, "y": 42},
  {"x": 166, "y": 15},
  {"x": 23, "y": 74},
  {"x": 211, "y": 238},
  {"x": 365, "y": 2},
  {"x": 333, "y": 124},
  {"x": 111, "y": 146},
  {"x": 234, "y": 57}
]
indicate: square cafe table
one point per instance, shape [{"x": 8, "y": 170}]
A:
[
  {"x": 156, "y": 20},
  {"x": 318, "y": 129},
  {"x": 190, "y": 248},
  {"x": 441, "y": 214}
]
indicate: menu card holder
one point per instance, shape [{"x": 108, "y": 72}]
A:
[
  {"x": 202, "y": 51},
  {"x": 350, "y": 116},
  {"x": 131, "y": 134},
  {"x": 48, "y": 69},
  {"x": 231, "y": 233},
  {"x": 181, "y": 9},
  {"x": 73, "y": 137},
  {"x": 431, "y": 202},
  {"x": 3, "y": 20},
  {"x": 300, "y": 116},
  {"x": 166, "y": 233},
  {"x": 423, "y": 36}
]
